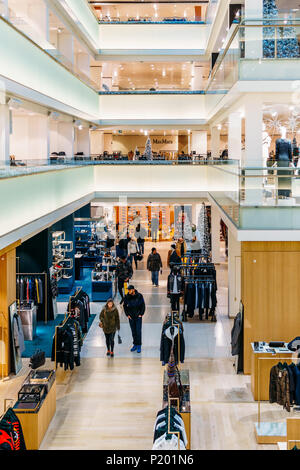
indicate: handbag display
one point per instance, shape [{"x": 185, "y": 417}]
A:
[{"x": 37, "y": 359}]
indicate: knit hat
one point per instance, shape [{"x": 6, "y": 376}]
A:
[{"x": 130, "y": 287}]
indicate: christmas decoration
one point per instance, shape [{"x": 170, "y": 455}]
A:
[
  {"x": 286, "y": 43},
  {"x": 293, "y": 123},
  {"x": 270, "y": 11},
  {"x": 273, "y": 124},
  {"x": 203, "y": 229},
  {"x": 148, "y": 150}
]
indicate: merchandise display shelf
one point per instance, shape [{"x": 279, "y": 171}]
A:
[{"x": 270, "y": 433}]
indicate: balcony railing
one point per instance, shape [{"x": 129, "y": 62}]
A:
[
  {"x": 149, "y": 20},
  {"x": 263, "y": 40}
]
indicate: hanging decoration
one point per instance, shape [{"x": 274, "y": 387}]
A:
[
  {"x": 203, "y": 229},
  {"x": 293, "y": 123},
  {"x": 280, "y": 42},
  {"x": 273, "y": 124},
  {"x": 148, "y": 150}
]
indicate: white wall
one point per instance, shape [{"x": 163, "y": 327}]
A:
[
  {"x": 168, "y": 178},
  {"x": 30, "y": 138},
  {"x": 153, "y": 36},
  {"x": 152, "y": 107}
]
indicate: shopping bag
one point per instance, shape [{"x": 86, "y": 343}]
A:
[
  {"x": 125, "y": 288},
  {"x": 119, "y": 339}
]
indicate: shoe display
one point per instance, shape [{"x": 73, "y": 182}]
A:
[{"x": 134, "y": 348}]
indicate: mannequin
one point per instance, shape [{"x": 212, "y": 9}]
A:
[
  {"x": 284, "y": 158},
  {"x": 266, "y": 145}
]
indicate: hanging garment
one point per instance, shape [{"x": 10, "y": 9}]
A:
[
  {"x": 279, "y": 389},
  {"x": 18, "y": 334},
  {"x": 11, "y": 434},
  {"x": 170, "y": 333}
]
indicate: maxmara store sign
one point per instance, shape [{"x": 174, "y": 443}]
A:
[{"x": 162, "y": 141}]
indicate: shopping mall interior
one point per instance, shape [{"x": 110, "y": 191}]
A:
[{"x": 149, "y": 245}]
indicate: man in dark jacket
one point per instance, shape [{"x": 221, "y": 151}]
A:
[
  {"x": 124, "y": 272},
  {"x": 154, "y": 265},
  {"x": 134, "y": 308}
]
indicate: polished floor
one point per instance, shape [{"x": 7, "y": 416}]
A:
[{"x": 112, "y": 403}]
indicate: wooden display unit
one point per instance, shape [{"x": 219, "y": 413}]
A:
[
  {"x": 35, "y": 424},
  {"x": 186, "y": 411},
  {"x": 260, "y": 372}
]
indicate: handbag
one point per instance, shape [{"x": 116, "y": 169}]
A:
[
  {"x": 37, "y": 359},
  {"x": 139, "y": 257},
  {"x": 119, "y": 339}
]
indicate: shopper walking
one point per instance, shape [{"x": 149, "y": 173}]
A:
[
  {"x": 181, "y": 247},
  {"x": 124, "y": 272},
  {"x": 133, "y": 250},
  {"x": 134, "y": 308},
  {"x": 154, "y": 265},
  {"x": 173, "y": 257},
  {"x": 140, "y": 235},
  {"x": 110, "y": 323}
]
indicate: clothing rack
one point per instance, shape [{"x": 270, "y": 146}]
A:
[
  {"x": 169, "y": 419},
  {"x": 56, "y": 329},
  {"x": 78, "y": 289},
  {"x": 45, "y": 291},
  {"x": 171, "y": 315}
]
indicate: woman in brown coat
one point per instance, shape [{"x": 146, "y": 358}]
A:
[{"x": 110, "y": 323}]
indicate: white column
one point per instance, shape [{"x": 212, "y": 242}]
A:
[
  {"x": 215, "y": 142},
  {"x": 253, "y": 132},
  {"x": 253, "y": 36},
  {"x": 83, "y": 63},
  {"x": 97, "y": 142},
  {"x": 95, "y": 74},
  {"x": 234, "y": 274},
  {"x": 215, "y": 235},
  {"x": 83, "y": 141},
  {"x": 66, "y": 45},
  {"x": 66, "y": 138},
  {"x": 38, "y": 137},
  {"x": 197, "y": 80},
  {"x": 253, "y": 156},
  {"x": 4, "y": 133},
  {"x": 38, "y": 14},
  {"x": 107, "y": 75},
  {"x": 235, "y": 136},
  {"x": 199, "y": 142},
  {"x": 4, "y": 11}
]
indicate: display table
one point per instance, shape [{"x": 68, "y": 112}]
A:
[
  {"x": 260, "y": 369},
  {"x": 36, "y": 422},
  {"x": 185, "y": 409},
  {"x": 103, "y": 290}
]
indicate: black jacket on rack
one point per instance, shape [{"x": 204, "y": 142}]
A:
[
  {"x": 80, "y": 307},
  {"x": 169, "y": 332},
  {"x": 180, "y": 283},
  {"x": 68, "y": 344}
]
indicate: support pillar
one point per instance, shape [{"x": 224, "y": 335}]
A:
[
  {"x": 234, "y": 274},
  {"x": 38, "y": 138},
  {"x": 66, "y": 46},
  {"x": 235, "y": 136},
  {"x": 253, "y": 36},
  {"x": 253, "y": 150},
  {"x": 82, "y": 141},
  {"x": 39, "y": 15},
  {"x": 215, "y": 235},
  {"x": 66, "y": 139},
  {"x": 199, "y": 142},
  {"x": 5, "y": 119},
  {"x": 197, "y": 80},
  {"x": 83, "y": 63},
  {"x": 215, "y": 142}
]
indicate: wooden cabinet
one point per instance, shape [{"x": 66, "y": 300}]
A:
[{"x": 35, "y": 425}]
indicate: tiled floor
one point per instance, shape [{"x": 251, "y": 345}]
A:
[{"x": 112, "y": 403}]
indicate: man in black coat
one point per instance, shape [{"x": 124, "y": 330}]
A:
[
  {"x": 124, "y": 272},
  {"x": 134, "y": 308}
]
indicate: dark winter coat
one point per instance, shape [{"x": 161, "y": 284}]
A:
[
  {"x": 134, "y": 305},
  {"x": 154, "y": 262},
  {"x": 236, "y": 333},
  {"x": 110, "y": 320},
  {"x": 180, "y": 283},
  {"x": 124, "y": 270}
]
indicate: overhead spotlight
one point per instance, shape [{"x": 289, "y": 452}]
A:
[
  {"x": 54, "y": 115},
  {"x": 78, "y": 124},
  {"x": 14, "y": 103}
]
